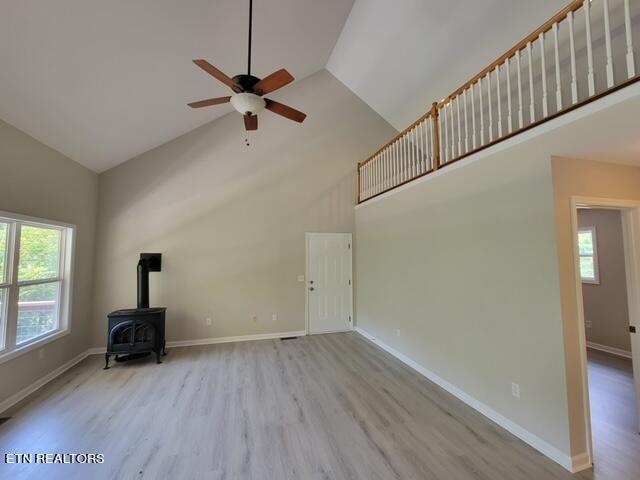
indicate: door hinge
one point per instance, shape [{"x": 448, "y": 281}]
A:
[
  {"x": 349, "y": 318},
  {"x": 349, "y": 282},
  {"x": 349, "y": 246}
]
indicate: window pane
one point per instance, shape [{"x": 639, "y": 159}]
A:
[
  {"x": 587, "y": 271},
  {"x": 37, "y": 310},
  {"x": 3, "y": 314},
  {"x": 4, "y": 251},
  {"x": 585, "y": 243},
  {"x": 39, "y": 253}
]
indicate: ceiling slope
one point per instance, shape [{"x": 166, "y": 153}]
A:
[
  {"x": 401, "y": 56},
  {"x": 102, "y": 82}
]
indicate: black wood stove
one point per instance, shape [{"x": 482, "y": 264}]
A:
[{"x": 137, "y": 332}]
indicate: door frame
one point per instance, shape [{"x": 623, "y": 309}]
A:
[
  {"x": 630, "y": 211},
  {"x": 307, "y": 236}
]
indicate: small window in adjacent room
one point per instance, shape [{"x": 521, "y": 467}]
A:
[
  {"x": 35, "y": 282},
  {"x": 588, "y": 250}
]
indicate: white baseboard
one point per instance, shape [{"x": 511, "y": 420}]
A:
[
  {"x": 22, "y": 394},
  {"x": 612, "y": 350},
  {"x": 240, "y": 338},
  {"x": 25, "y": 392},
  {"x": 536, "y": 442}
]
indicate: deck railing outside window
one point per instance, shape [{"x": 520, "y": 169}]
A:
[{"x": 582, "y": 53}]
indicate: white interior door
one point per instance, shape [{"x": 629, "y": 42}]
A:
[{"x": 329, "y": 284}]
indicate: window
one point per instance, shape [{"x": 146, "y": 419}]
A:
[
  {"x": 35, "y": 268},
  {"x": 587, "y": 249}
]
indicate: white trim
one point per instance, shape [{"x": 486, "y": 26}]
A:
[
  {"x": 25, "y": 392},
  {"x": 240, "y": 338},
  {"x": 594, "y": 256},
  {"x": 37, "y": 342},
  {"x": 573, "y": 464},
  {"x": 610, "y": 100},
  {"x": 629, "y": 208},
  {"x": 612, "y": 350}
]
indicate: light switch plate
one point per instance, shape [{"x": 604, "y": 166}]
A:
[{"x": 301, "y": 278}]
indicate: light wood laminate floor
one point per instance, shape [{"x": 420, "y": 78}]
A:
[
  {"x": 322, "y": 407},
  {"x": 614, "y": 422}
]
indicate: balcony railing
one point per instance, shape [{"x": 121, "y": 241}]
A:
[{"x": 581, "y": 54}]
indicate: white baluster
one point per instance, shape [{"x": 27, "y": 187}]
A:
[
  {"x": 481, "y": 112},
  {"x": 607, "y": 42},
  {"x": 631, "y": 67},
  {"x": 490, "y": 109},
  {"x": 473, "y": 117},
  {"x": 366, "y": 180},
  {"x": 543, "y": 66},
  {"x": 423, "y": 143},
  {"x": 499, "y": 102},
  {"x": 591, "y": 81},
  {"x": 466, "y": 122},
  {"x": 520, "y": 111},
  {"x": 385, "y": 170},
  {"x": 414, "y": 150},
  {"x": 509, "y": 122},
  {"x": 407, "y": 160},
  {"x": 453, "y": 138},
  {"x": 445, "y": 157},
  {"x": 572, "y": 46},
  {"x": 431, "y": 149},
  {"x": 557, "y": 58},
  {"x": 376, "y": 175},
  {"x": 459, "y": 133},
  {"x": 532, "y": 105}
]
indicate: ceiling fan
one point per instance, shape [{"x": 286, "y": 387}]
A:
[{"x": 249, "y": 90}]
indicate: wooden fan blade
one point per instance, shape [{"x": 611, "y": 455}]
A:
[
  {"x": 251, "y": 122},
  {"x": 209, "y": 102},
  {"x": 211, "y": 70},
  {"x": 285, "y": 111},
  {"x": 273, "y": 82}
]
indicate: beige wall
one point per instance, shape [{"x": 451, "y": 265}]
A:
[
  {"x": 230, "y": 219},
  {"x": 606, "y": 310},
  {"x": 38, "y": 181},
  {"x": 464, "y": 265},
  {"x": 587, "y": 179}
]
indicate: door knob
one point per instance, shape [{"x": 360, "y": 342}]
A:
[{"x": 311, "y": 289}]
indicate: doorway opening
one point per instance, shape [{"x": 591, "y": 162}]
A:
[{"x": 607, "y": 253}]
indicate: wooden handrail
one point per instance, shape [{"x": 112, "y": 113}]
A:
[
  {"x": 544, "y": 28},
  {"x": 416, "y": 151},
  {"x": 409, "y": 128}
]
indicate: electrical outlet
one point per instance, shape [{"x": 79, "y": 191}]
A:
[
  {"x": 208, "y": 321},
  {"x": 515, "y": 389},
  {"x": 588, "y": 323},
  {"x": 274, "y": 317},
  {"x": 397, "y": 332},
  {"x": 255, "y": 319},
  {"x": 41, "y": 354}
]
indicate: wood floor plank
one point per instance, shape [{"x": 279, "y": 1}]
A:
[{"x": 321, "y": 407}]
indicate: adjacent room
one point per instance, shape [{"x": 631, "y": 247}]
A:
[{"x": 292, "y": 239}]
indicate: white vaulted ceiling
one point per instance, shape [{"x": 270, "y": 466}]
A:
[
  {"x": 102, "y": 81},
  {"x": 400, "y": 56}
]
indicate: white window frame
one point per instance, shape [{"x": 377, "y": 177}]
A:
[
  {"x": 596, "y": 271},
  {"x": 10, "y": 350}
]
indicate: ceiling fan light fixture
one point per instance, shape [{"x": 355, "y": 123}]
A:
[{"x": 248, "y": 103}]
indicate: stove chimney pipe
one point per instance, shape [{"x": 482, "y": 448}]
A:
[{"x": 149, "y": 262}]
